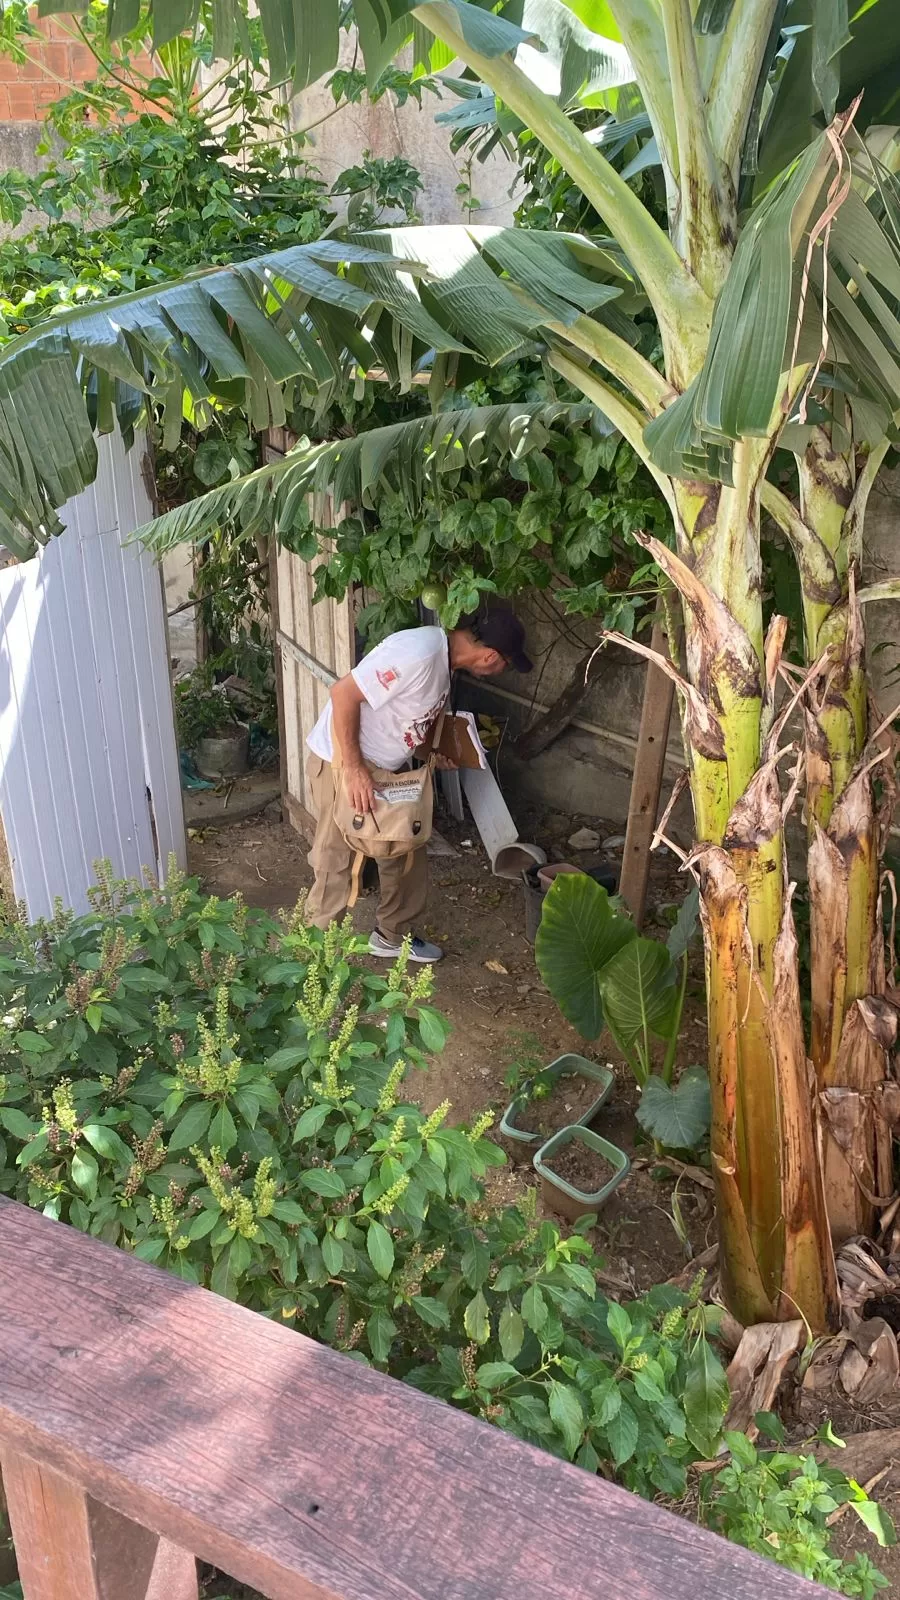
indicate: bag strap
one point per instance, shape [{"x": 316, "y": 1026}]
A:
[
  {"x": 356, "y": 873},
  {"x": 439, "y": 728}
]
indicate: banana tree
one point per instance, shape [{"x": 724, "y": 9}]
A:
[{"x": 773, "y": 286}]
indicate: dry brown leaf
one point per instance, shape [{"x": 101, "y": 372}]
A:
[
  {"x": 497, "y": 966},
  {"x": 861, "y": 1276},
  {"x": 822, "y": 1373},
  {"x": 757, "y": 1369},
  {"x": 870, "y": 1367}
]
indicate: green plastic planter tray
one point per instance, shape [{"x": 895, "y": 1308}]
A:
[
  {"x": 561, "y": 1196},
  {"x": 570, "y": 1065}
]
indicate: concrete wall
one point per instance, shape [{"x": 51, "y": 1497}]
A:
[
  {"x": 387, "y": 129},
  {"x": 178, "y": 575},
  {"x": 588, "y": 768}
]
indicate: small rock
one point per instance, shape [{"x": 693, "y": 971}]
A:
[
  {"x": 614, "y": 842},
  {"x": 584, "y": 839},
  {"x": 466, "y": 844}
]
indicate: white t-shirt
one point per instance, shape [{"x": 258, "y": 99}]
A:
[{"x": 406, "y": 680}]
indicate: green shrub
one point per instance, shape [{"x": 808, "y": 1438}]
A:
[
  {"x": 778, "y": 1503},
  {"x": 201, "y": 710},
  {"x": 223, "y": 1095}
]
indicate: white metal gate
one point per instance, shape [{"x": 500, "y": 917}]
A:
[{"x": 88, "y": 756}]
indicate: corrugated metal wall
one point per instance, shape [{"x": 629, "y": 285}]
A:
[{"x": 88, "y": 757}]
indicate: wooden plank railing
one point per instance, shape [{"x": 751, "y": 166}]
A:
[{"x": 144, "y": 1422}]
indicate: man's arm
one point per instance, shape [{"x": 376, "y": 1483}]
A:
[{"x": 346, "y": 699}]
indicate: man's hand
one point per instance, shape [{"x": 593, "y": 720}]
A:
[
  {"x": 360, "y": 788},
  {"x": 444, "y": 763}
]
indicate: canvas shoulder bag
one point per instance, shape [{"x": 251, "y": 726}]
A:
[{"x": 402, "y": 816}]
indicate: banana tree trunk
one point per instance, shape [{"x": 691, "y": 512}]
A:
[
  {"x": 847, "y": 954},
  {"x": 776, "y": 1249}
]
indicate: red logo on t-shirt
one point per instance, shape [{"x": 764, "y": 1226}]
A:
[{"x": 387, "y": 677}]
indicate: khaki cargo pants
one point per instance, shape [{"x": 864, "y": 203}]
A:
[{"x": 404, "y": 881}]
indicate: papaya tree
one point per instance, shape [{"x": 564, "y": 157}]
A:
[{"x": 769, "y": 275}]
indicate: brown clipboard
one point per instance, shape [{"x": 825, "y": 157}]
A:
[{"x": 455, "y": 742}]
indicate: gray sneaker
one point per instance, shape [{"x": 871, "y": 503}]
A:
[{"x": 420, "y": 950}]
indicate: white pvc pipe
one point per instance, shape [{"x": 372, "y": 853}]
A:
[{"x": 510, "y": 856}]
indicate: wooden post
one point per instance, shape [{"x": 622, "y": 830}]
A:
[
  {"x": 70, "y": 1547},
  {"x": 646, "y": 785}
]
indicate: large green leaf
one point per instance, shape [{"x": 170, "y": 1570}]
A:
[
  {"x": 685, "y": 925},
  {"x": 705, "y": 1398},
  {"x": 752, "y": 321},
  {"x": 412, "y": 457},
  {"x": 386, "y": 26},
  {"x": 579, "y": 935},
  {"x": 312, "y": 315},
  {"x": 678, "y": 1118},
  {"x": 831, "y": 61},
  {"x": 638, "y": 991},
  {"x": 573, "y": 60},
  {"x": 303, "y": 42},
  {"x": 878, "y": 1521},
  {"x": 755, "y": 323}
]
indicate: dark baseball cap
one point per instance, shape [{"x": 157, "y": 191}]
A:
[{"x": 502, "y": 631}]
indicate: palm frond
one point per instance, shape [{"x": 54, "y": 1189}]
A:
[
  {"x": 847, "y": 309},
  {"x": 414, "y": 459},
  {"x": 314, "y": 315},
  {"x": 830, "y": 61}
]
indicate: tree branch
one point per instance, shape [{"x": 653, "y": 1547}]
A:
[
  {"x": 856, "y": 514},
  {"x": 818, "y": 574},
  {"x": 783, "y": 511},
  {"x": 552, "y": 722},
  {"x": 639, "y": 24},
  {"x": 706, "y": 226},
  {"x": 742, "y": 50},
  {"x": 888, "y": 589},
  {"x": 648, "y": 386}
]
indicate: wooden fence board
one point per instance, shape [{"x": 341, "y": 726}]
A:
[
  {"x": 325, "y": 632},
  {"x": 300, "y": 1471},
  {"x": 73, "y": 1548}
]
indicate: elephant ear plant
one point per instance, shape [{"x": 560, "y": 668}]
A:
[
  {"x": 603, "y": 974},
  {"x": 740, "y": 333}
]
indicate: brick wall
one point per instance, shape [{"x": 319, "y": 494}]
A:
[{"x": 26, "y": 90}]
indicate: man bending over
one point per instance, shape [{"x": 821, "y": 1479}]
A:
[{"x": 379, "y": 714}]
